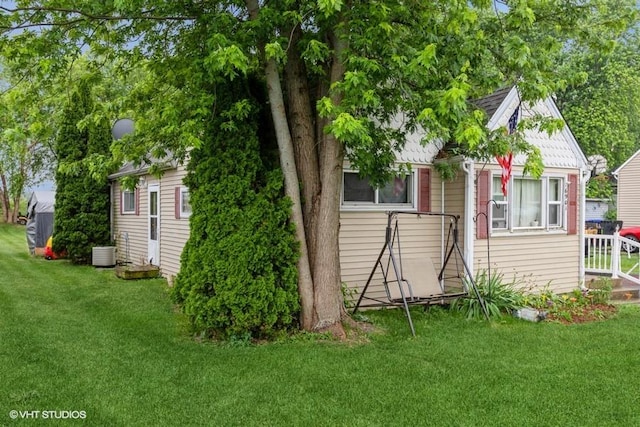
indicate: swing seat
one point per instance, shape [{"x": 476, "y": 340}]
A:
[{"x": 419, "y": 281}]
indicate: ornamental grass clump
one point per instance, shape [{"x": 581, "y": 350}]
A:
[{"x": 499, "y": 297}]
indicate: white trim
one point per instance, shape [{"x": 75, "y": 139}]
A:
[
  {"x": 155, "y": 257},
  {"x": 381, "y": 207},
  {"x": 629, "y": 160},
  {"x": 183, "y": 214},
  {"x": 470, "y": 206},
  {"x": 544, "y": 227},
  {"x": 502, "y": 109},
  {"x": 124, "y": 211},
  {"x": 584, "y": 177}
]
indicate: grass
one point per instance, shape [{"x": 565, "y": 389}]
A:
[
  {"x": 630, "y": 264},
  {"x": 76, "y": 338}
]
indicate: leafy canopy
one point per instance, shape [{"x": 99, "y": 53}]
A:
[{"x": 434, "y": 58}]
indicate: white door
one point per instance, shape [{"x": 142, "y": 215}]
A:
[{"x": 154, "y": 225}]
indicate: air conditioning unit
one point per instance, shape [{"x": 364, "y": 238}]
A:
[{"x": 103, "y": 256}]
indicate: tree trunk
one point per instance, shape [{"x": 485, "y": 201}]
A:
[
  {"x": 291, "y": 184},
  {"x": 4, "y": 199},
  {"x": 304, "y": 139},
  {"x": 16, "y": 207},
  {"x": 328, "y": 296}
]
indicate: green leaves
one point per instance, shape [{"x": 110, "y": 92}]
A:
[
  {"x": 602, "y": 109},
  {"x": 224, "y": 57},
  {"x": 330, "y": 7},
  {"x": 82, "y": 194},
  {"x": 350, "y": 130}
]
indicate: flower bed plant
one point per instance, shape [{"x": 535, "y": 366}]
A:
[{"x": 578, "y": 306}]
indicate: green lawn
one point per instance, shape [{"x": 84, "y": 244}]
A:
[
  {"x": 630, "y": 264},
  {"x": 77, "y": 339}
]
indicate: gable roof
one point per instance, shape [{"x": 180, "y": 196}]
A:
[
  {"x": 133, "y": 169},
  {"x": 560, "y": 150},
  {"x": 629, "y": 160},
  {"x": 491, "y": 103}
]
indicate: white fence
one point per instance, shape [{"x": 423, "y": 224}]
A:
[{"x": 612, "y": 255}]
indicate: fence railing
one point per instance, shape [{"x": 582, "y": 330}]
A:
[{"x": 613, "y": 255}]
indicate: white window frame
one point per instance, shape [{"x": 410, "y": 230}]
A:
[
  {"x": 376, "y": 205},
  {"x": 184, "y": 213},
  {"x": 542, "y": 224},
  {"x": 123, "y": 197}
]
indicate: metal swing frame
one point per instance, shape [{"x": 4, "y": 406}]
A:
[{"x": 395, "y": 261}]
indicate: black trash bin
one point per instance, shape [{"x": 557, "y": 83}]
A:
[{"x": 609, "y": 227}]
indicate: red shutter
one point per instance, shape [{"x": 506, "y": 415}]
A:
[
  {"x": 176, "y": 198},
  {"x": 424, "y": 190},
  {"x": 137, "y": 197},
  {"x": 483, "y": 195},
  {"x": 572, "y": 205}
]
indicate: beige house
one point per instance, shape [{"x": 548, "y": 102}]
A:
[
  {"x": 150, "y": 224},
  {"x": 628, "y": 199},
  {"x": 533, "y": 234}
]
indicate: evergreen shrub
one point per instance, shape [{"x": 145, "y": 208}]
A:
[
  {"x": 81, "y": 219},
  {"x": 238, "y": 273}
]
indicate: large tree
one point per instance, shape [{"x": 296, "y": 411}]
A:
[
  {"x": 339, "y": 76},
  {"x": 25, "y": 155},
  {"x": 603, "y": 110}
]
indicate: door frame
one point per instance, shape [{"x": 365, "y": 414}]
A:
[{"x": 153, "y": 246}]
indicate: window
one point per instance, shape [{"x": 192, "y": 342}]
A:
[
  {"x": 527, "y": 202},
  {"x": 185, "y": 206},
  {"x": 555, "y": 202},
  {"x": 358, "y": 192},
  {"x": 182, "y": 202},
  {"x": 499, "y": 208},
  {"x": 128, "y": 202},
  {"x": 530, "y": 204}
]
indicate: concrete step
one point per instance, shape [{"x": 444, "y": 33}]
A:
[
  {"x": 626, "y": 292},
  {"x": 592, "y": 281},
  {"x": 635, "y": 301},
  {"x": 623, "y": 290}
]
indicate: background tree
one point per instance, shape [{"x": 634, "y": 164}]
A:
[
  {"x": 334, "y": 88},
  {"x": 25, "y": 155},
  {"x": 81, "y": 220},
  {"x": 603, "y": 111}
]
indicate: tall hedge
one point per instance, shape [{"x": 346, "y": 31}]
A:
[
  {"x": 238, "y": 272},
  {"x": 81, "y": 218}
]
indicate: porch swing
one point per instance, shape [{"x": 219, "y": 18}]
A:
[{"x": 413, "y": 281}]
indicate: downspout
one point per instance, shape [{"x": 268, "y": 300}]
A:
[
  {"x": 443, "y": 249},
  {"x": 585, "y": 175},
  {"x": 111, "y": 199},
  {"x": 468, "y": 166}
]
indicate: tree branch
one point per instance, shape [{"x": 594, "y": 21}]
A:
[{"x": 145, "y": 15}]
